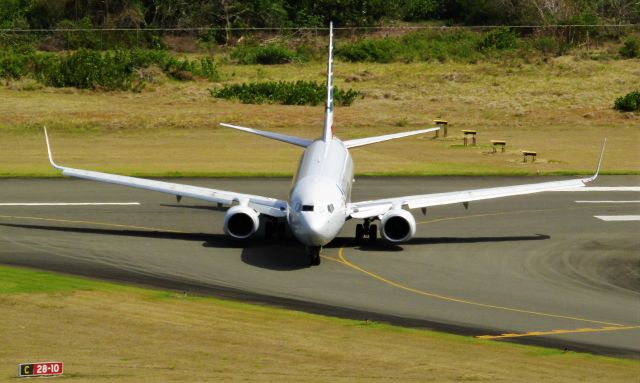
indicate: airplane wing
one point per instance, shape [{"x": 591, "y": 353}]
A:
[
  {"x": 375, "y": 208},
  {"x": 264, "y": 205}
]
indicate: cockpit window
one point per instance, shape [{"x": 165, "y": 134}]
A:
[
  {"x": 307, "y": 207},
  {"x": 330, "y": 208}
]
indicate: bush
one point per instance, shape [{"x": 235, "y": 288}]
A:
[
  {"x": 15, "y": 64},
  {"x": 500, "y": 38},
  {"x": 87, "y": 69},
  {"x": 78, "y": 39},
  {"x": 267, "y": 55},
  {"x": 371, "y": 50},
  {"x": 284, "y": 92},
  {"x": 630, "y": 49},
  {"x": 423, "y": 46},
  {"x": 115, "y": 70},
  {"x": 628, "y": 103},
  {"x": 547, "y": 45}
]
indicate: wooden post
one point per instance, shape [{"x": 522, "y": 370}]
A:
[
  {"x": 471, "y": 133},
  {"x": 443, "y": 126}
]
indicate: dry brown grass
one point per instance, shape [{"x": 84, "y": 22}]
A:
[
  {"x": 107, "y": 333},
  {"x": 561, "y": 109}
]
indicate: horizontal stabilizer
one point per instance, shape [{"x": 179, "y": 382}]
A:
[
  {"x": 372, "y": 140},
  {"x": 274, "y": 136}
]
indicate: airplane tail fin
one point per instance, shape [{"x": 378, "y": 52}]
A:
[{"x": 328, "y": 108}]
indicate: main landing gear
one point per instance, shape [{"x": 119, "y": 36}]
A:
[
  {"x": 368, "y": 230},
  {"x": 314, "y": 255}
]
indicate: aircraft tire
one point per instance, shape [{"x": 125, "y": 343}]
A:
[
  {"x": 373, "y": 233},
  {"x": 359, "y": 233}
]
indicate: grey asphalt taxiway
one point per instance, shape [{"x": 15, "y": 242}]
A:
[{"x": 541, "y": 269}]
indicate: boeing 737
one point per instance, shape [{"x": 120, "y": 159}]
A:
[{"x": 319, "y": 202}]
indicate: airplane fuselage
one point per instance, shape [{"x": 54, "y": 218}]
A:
[{"x": 321, "y": 192}]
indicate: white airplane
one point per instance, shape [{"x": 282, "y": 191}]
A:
[{"x": 320, "y": 200}]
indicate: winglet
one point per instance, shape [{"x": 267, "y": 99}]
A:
[
  {"x": 46, "y": 137},
  {"x": 604, "y": 144}
]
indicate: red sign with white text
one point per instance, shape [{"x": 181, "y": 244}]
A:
[{"x": 40, "y": 369}]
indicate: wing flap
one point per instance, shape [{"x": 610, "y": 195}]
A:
[{"x": 370, "y": 211}]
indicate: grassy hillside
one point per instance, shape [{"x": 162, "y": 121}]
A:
[{"x": 561, "y": 108}]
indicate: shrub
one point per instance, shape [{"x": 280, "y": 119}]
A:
[
  {"x": 423, "y": 45},
  {"x": 115, "y": 70},
  {"x": 547, "y": 45},
  {"x": 370, "y": 50},
  {"x": 14, "y": 64},
  {"x": 628, "y": 103},
  {"x": 630, "y": 49},
  {"x": 284, "y": 92},
  {"x": 86, "y": 69},
  {"x": 87, "y": 39},
  {"x": 499, "y": 38},
  {"x": 267, "y": 55}
]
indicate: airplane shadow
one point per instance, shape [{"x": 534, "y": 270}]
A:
[
  {"x": 285, "y": 255},
  {"x": 512, "y": 238},
  {"x": 257, "y": 252},
  {"x": 210, "y": 240}
]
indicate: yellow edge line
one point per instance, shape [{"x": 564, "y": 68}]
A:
[
  {"x": 94, "y": 223},
  {"x": 458, "y": 300},
  {"x": 556, "y": 332}
]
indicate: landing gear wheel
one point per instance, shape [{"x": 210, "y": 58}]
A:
[
  {"x": 373, "y": 233},
  {"x": 314, "y": 255},
  {"x": 359, "y": 233}
]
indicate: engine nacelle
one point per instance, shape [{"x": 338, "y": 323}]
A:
[
  {"x": 398, "y": 226},
  {"x": 241, "y": 222}
]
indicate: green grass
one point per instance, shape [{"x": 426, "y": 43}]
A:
[
  {"x": 24, "y": 281},
  {"x": 546, "y": 107}
]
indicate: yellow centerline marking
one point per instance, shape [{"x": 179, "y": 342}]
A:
[
  {"x": 94, "y": 223},
  {"x": 557, "y": 332},
  {"x": 463, "y": 301},
  {"x": 330, "y": 258}
]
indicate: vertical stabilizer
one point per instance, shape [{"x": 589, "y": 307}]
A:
[{"x": 328, "y": 107}]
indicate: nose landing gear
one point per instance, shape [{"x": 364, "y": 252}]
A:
[
  {"x": 368, "y": 230},
  {"x": 314, "y": 255}
]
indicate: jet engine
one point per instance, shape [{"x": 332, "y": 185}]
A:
[
  {"x": 398, "y": 226},
  {"x": 240, "y": 222}
]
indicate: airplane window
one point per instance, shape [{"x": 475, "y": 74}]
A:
[
  {"x": 307, "y": 207},
  {"x": 298, "y": 207},
  {"x": 330, "y": 208}
]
